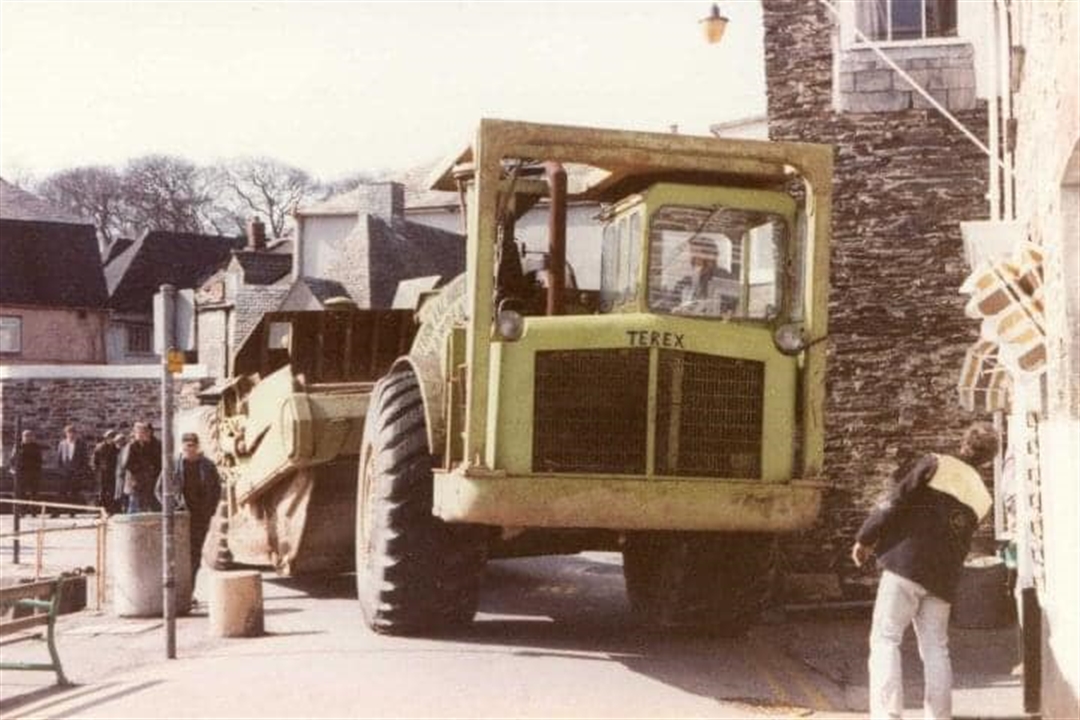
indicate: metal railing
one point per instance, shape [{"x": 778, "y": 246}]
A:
[{"x": 42, "y": 509}]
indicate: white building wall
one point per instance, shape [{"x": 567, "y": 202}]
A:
[
  {"x": 1048, "y": 195},
  {"x": 321, "y": 240}
]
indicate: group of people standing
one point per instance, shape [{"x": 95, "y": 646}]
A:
[
  {"x": 72, "y": 459},
  {"x": 127, "y": 475}
]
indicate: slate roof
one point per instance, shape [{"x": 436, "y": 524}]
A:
[
  {"x": 50, "y": 264},
  {"x": 18, "y": 204},
  {"x": 409, "y": 250},
  {"x": 158, "y": 257},
  {"x": 324, "y": 289},
  {"x": 253, "y": 302},
  {"x": 379, "y": 254},
  {"x": 261, "y": 267}
]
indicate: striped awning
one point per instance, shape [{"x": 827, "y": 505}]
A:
[
  {"x": 1007, "y": 296},
  {"x": 985, "y": 384}
]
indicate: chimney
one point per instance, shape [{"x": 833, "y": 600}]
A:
[
  {"x": 256, "y": 234},
  {"x": 384, "y": 200}
]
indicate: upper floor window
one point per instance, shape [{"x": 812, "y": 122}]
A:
[
  {"x": 10, "y": 334},
  {"x": 889, "y": 20}
]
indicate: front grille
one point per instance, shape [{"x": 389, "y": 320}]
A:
[
  {"x": 709, "y": 416},
  {"x": 591, "y": 411}
]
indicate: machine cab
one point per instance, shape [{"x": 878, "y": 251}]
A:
[{"x": 707, "y": 252}]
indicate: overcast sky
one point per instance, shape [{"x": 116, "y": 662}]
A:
[{"x": 339, "y": 87}]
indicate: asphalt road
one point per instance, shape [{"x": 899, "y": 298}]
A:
[{"x": 553, "y": 639}]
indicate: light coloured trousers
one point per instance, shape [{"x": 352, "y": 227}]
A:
[{"x": 901, "y": 602}]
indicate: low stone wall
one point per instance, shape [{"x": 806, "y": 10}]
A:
[{"x": 46, "y": 402}]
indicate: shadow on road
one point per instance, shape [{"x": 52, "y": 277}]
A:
[
  {"x": 91, "y": 696},
  {"x": 576, "y": 607},
  {"x": 325, "y": 587}
]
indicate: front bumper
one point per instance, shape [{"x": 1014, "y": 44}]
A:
[{"x": 561, "y": 501}]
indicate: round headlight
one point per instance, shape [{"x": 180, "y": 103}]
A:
[
  {"x": 790, "y": 339},
  {"x": 509, "y": 324}
]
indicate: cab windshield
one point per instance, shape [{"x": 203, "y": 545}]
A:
[{"x": 716, "y": 262}]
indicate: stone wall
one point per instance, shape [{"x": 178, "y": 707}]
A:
[
  {"x": 903, "y": 182},
  {"x": 95, "y": 405}
]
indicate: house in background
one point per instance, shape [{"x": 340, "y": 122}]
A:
[
  {"x": 136, "y": 274},
  {"x": 230, "y": 303},
  {"x": 364, "y": 241},
  {"x": 52, "y": 290}
]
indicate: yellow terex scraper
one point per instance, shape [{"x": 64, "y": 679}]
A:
[{"x": 676, "y": 414}]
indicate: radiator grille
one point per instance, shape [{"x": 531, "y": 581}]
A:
[
  {"x": 709, "y": 416},
  {"x": 590, "y": 411}
]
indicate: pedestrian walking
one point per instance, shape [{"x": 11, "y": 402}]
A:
[
  {"x": 103, "y": 463},
  {"x": 197, "y": 488},
  {"x": 26, "y": 469},
  {"x": 140, "y": 468},
  {"x": 73, "y": 459},
  {"x": 921, "y": 535}
]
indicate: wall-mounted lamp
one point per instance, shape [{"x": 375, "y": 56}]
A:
[{"x": 714, "y": 25}]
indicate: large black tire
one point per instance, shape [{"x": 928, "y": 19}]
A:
[
  {"x": 702, "y": 582},
  {"x": 414, "y": 573}
]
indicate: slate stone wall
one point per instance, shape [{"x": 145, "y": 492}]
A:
[
  {"x": 95, "y": 405},
  {"x": 903, "y": 182}
]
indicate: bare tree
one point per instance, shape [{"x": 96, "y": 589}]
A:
[
  {"x": 344, "y": 184},
  {"x": 265, "y": 187},
  {"x": 94, "y": 192},
  {"x": 164, "y": 192}
]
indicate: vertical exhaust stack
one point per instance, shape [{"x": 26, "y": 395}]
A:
[
  {"x": 256, "y": 234},
  {"x": 555, "y": 175}
]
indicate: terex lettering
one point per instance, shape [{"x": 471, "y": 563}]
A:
[{"x": 653, "y": 338}]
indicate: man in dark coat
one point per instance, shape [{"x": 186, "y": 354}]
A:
[
  {"x": 921, "y": 535},
  {"x": 26, "y": 467},
  {"x": 103, "y": 462},
  {"x": 141, "y": 469},
  {"x": 197, "y": 488}
]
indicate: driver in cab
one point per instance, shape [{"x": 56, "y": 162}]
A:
[{"x": 703, "y": 290}]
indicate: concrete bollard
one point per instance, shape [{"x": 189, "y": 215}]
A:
[{"x": 236, "y": 603}]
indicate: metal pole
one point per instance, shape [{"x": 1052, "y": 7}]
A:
[
  {"x": 168, "y": 296},
  {"x": 1005, "y": 79},
  {"x": 993, "y": 113},
  {"x": 16, "y": 509}
]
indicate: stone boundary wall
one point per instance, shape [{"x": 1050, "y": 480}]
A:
[
  {"x": 897, "y": 331},
  {"x": 94, "y": 403}
]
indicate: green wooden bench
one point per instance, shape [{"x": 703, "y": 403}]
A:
[{"x": 42, "y": 598}]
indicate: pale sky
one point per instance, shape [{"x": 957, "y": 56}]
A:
[{"x": 337, "y": 87}]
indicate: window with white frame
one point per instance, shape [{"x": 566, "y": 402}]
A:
[
  {"x": 10, "y": 334},
  {"x": 904, "y": 20}
]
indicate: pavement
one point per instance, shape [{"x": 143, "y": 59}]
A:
[{"x": 551, "y": 641}]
